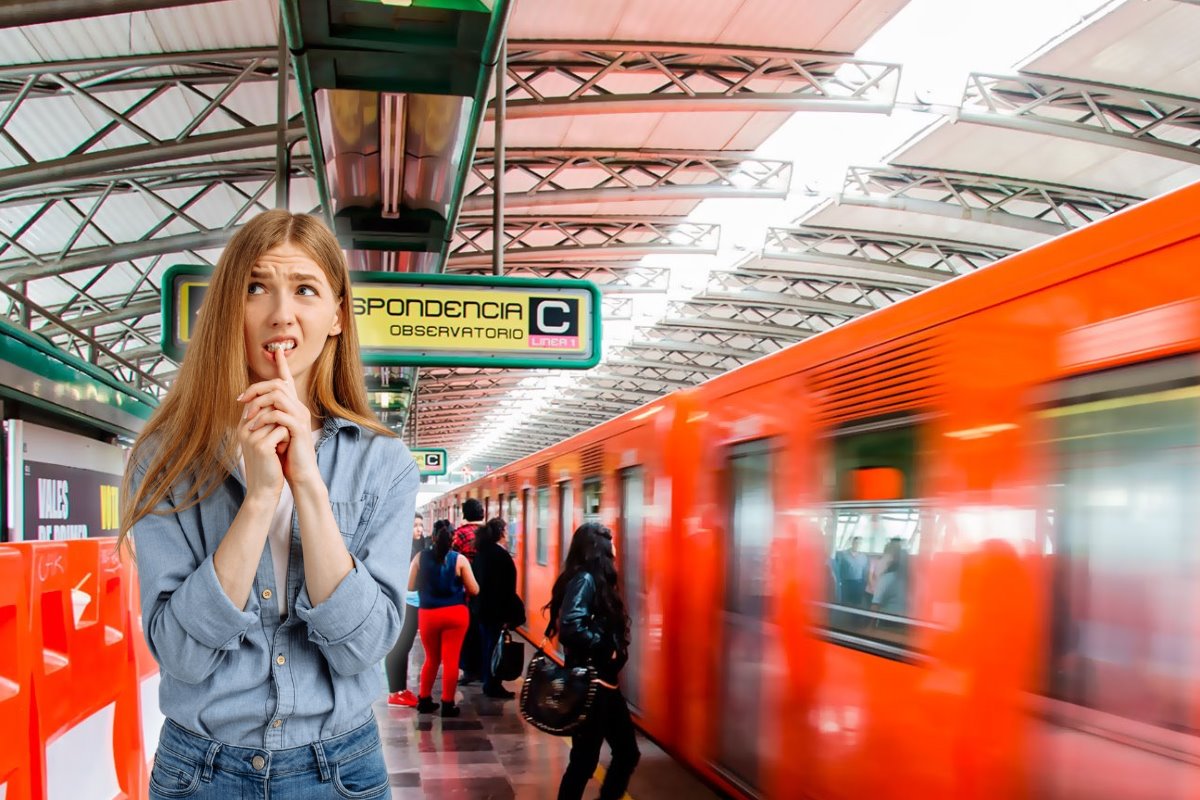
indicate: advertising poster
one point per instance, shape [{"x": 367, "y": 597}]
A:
[{"x": 61, "y": 485}]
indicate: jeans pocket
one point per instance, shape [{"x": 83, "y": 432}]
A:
[
  {"x": 173, "y": 775},
  {"x": 362, "y": 776}
]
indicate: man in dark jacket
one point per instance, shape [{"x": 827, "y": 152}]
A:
[
  {"x": 463, "y": 542},
  {"x": 496, "y": 604}
]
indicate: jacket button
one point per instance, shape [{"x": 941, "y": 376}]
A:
[
  {"x": 281, "y": 661},
  {"x": 276, "y": 723},
  {"x": 258, "y": 762},
  {"x": 266, "y": 594}
]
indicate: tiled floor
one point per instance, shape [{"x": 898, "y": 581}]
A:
[{"x": 489, "y": 753}]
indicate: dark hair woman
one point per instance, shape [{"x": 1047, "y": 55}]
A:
[
  {"x": 443, "y": 580},
  {"x": 494, "y": 606},
  {"x": 396, "y": 662},
  {"x": 588, "y": 616}
]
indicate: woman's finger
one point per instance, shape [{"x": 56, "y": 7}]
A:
[
  {"x": 285, "y": 370},
  {"x": 276, "y": 398},
  {"x": 274, "y": 416},
  {"x": 261, "y": 388}
]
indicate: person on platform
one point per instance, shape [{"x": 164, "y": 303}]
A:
[
  {"x": 464, "y": 535},
  {"x": 497, "y": 604},
  {"x": 464, "y": 542},
  {"x": 589, "y": 617},
  {"x": 263, "y": 499},
  {"x": 396, "y": 664},
  {"x": 443, "y": 579}
]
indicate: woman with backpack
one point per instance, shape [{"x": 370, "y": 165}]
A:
[
  {"x": 588, "y": 616},
  {"x": 442, "y": 579}
]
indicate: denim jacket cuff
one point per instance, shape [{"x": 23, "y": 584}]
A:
[
  {"x": 344, "y": 612},
  {"x": 222, "y": 626}
]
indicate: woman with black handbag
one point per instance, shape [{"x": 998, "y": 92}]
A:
[
  {"x": 492, "y": 607},
  {"x": 588, "y": 616}
]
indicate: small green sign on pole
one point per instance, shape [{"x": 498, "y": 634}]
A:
[{"x": 430, "y": 460}]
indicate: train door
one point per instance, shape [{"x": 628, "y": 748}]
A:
[
  {"x": 515, "y": 520},
  {"x": 566, "y": 516},
  {"x": 529, "y": 553},
  {"x": 1124, "y": 650},
  {"x": 543, "y": 526},
  {"x": 748, "y": 536},
  {"x": 633, "y": 496},
  {"x": 591, "y": 499}
]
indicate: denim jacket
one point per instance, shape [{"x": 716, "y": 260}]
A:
[{"x": 246, "y": 677}]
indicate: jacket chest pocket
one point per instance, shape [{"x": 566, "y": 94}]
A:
[{"x": 353, "y": 517}]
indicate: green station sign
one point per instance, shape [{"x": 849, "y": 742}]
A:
[
  {"x": 408, "y": 319},
  {"x": 430, "y": 460}
]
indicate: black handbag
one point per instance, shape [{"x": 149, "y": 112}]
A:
[
  {"x": 555, "y": 698},
  {"x": 508, "y": 658},
  {"x": 516, "y": 615}
]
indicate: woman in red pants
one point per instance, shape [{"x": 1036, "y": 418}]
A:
[{"x": 442, "y": 580}]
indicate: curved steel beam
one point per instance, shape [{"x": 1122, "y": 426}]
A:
[
  {"x": 88, "y": 165},
  {"x": 610, "y": 277},
  {"x": 538, "y": 238},
  {"x": 1033, "y": 206},
  {"x": 120, "y": 73},
  {"x": 549, "y": 177},
  {"x": 17, "y": 270},
  {"x": 39, "y": 12},
  {"x": 1148, "y": 122},
  {"x": 555, "y": 78},
  {"x": 891, "y": 258}
]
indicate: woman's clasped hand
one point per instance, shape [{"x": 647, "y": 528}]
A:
[{"x": 273, "y": 418}]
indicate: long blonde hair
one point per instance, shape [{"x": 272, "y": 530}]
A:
[{"x": 192, "y": 434}]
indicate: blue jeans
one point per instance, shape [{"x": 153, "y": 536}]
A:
[{"x": 346, "y": 766}]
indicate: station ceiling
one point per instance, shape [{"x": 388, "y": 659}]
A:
[{"x": 659, "y": 149}]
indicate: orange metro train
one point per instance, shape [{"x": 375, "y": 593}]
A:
[{"x": 946, "y": 550}]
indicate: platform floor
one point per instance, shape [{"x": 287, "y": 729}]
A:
[{"x": 489, "y": 753}]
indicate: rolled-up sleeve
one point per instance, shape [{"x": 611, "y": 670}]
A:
[
  {"x": 189, "y": 621},
  {"x": 358, "y": 623}
]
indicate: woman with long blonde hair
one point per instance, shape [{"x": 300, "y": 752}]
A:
[{"x": 268, "y": 510}]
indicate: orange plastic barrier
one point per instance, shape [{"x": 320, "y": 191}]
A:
[
  {"x": 144, "y": 665},
  {"x": 16, "y": 688},
  {"x": 78, "y": 632}
]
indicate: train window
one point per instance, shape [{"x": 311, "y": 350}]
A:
[
  {"x": 591, "y": 500},
  {"x": 749, "y": 531},
  {"x": 1122, "y": 550},
  {"x": 872, "y": 531},
  {"x": 543, "y": 526},
  {"x": 566, "y": 518},
  {"x": 528, "y": 552},
  {"x": 514, "y": 518},
  {"x": 633, "y": 500}
]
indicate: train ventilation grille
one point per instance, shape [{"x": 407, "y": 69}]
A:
[
  {"x": 543, "y": 475},
  {"x": 893, "y": 378},
  {"x": 593, "y": 460}
]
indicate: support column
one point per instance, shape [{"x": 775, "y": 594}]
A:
[
  {"x": 498, "y": 170},
  {"x": 282, "y": 152}
]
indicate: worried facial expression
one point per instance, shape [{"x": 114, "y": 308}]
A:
[{"x": 291, "y": 311}]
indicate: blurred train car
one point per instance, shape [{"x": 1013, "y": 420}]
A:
[{"x": 947, "y": 550}]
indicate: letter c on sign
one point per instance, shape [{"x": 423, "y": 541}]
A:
[{"x": 546, "y": 327}]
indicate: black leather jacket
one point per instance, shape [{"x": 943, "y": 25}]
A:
[{"x": 586, "y": 638}]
